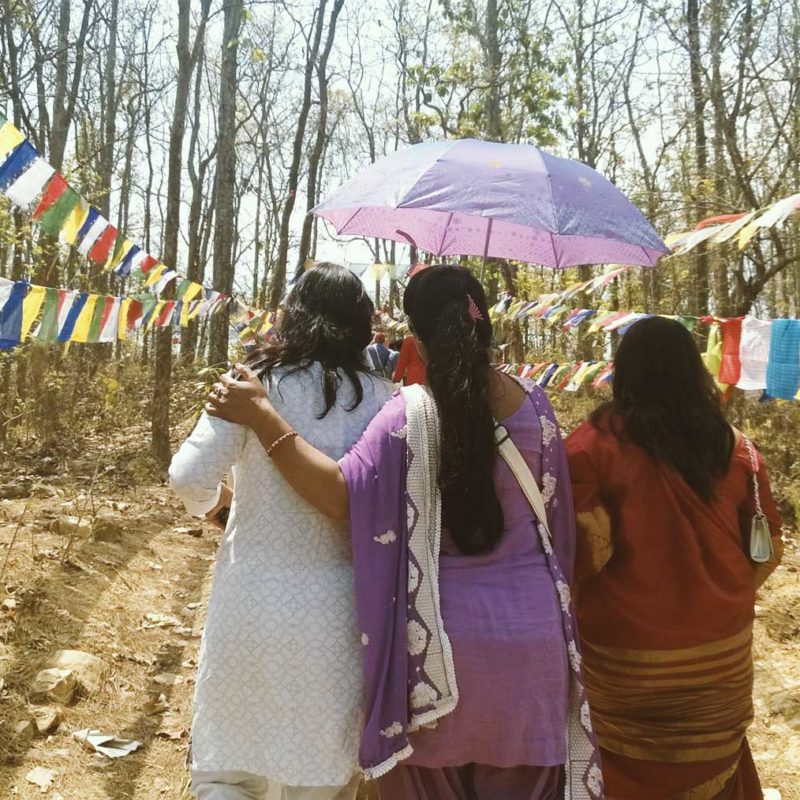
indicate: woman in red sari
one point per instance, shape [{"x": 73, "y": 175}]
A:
[{"x": 664, "y": 583}]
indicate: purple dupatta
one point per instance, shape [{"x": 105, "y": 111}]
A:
[{"x": 395, "y": 520}]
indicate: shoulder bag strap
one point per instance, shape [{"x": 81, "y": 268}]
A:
[
  {"x": 522, "y": 472},
  {"x": 761, "y": 548},
  {"x": 751, "y": 451}
]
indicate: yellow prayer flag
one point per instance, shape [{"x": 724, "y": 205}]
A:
[
  {"x": 515, "y": 308},
  {"x": 155, "y": 274},
  {"x": 74, "y": 222},
  {"x": 671, "y": 239},
  {"x": 120, "y": 257},
  {"x": 159, "y": 307},
  {"x": 192, "y": 292},
  {"x": 578, "y": 377},
  {"x": 189, "y": 295},
  {"x": 746, "y": 234},
  {"x": 84, "y": 321},
  {"x": 31, "y": 306},
  {"x": 194, "y": 311},
  {"x": 10, "y": 137},
  {"x": 122, "y": 322}
]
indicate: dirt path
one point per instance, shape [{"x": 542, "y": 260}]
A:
[
  {"x": 160, "y": 565},
  {"x": 137, "y": 603}
]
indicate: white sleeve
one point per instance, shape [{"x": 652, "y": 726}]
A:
[{"x": 203, "y": 460}]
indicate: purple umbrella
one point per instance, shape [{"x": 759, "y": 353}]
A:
[{"x": 468, "y": 197}]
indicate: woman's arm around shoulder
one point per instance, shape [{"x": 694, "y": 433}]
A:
[{"x": 316, "y": 477}]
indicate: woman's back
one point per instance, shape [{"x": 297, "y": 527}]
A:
[
  {"x": 651, "y": 552},
  {"x": 502, "y": 613},
  {"x": 261, "y": 490},
  {"x": 664, "y": 595},
  {"x": 280, "y": 666}
]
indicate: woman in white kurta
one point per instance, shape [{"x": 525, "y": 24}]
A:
[{"x": 276, "y": 711}]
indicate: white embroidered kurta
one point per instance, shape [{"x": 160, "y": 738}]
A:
[{"x": 279, "y": 680}]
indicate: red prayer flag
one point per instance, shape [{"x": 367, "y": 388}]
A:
[
  {"x": 55, "y": 189},
  {"x": 166, "y": 314},
  {"x": 569, "y": 376},
  {"x": 134, "y": 312},
  {"x": 147, "y": 264},
  {"x": 720, "y": 219},
  {"x": 106, "y": 311},
  {"x": 102, "y": 247},
  {"x": 731, "y": 368}
]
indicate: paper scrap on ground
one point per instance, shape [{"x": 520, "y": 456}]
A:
[
  {"x": 109, "y": 746},
  {"x": 41, "y": 777}
]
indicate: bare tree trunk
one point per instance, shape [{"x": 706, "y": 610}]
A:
[
  {"x": 225, "y": 181},
  {"x": 279, "y": 271},
  {"x": 197, "y": 176},
  {"x": 319, "y": 143},
  {"x": 65, "y": 92},
  {"x": 187, "y": 57},
  {"x": 701, "y": 289},
  {"x": 494, "y": 128}
]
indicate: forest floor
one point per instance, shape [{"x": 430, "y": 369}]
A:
[{"x": 135, "y": 597}]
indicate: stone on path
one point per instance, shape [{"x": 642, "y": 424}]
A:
[
  {"x": 89, "y": 670},
  {"x": 24, "y": 729},
  {"x": 68, "y": 525},
  {"x": 108, "y": 526},
  {"x": 14, "y": 491},
  {"x": 54, "y": 686},
  {"x": 47, "y": 719}
]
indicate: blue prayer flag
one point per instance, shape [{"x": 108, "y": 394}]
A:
[
  {"x": 783, "y": 366},
  {"x": 68, "y": 327},
  {"x": 20, "y": 159},
  {"x": 11, "y": 316}
]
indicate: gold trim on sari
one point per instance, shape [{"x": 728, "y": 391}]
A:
[{"x": 683, "y": 705}]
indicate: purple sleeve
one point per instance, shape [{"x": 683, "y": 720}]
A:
[{"x": 375, "y": 472}]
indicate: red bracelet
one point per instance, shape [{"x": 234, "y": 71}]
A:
[{"x": 279, "y": 441}]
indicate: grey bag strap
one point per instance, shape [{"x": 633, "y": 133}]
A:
[{"x": 522, "y": 472}]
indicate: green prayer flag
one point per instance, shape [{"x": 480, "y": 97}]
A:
[
  {"x": 53, "y": 219},
  {"x": 48, "y": 329},
  {"x": 3, "y": 119},
  {"x": 118, "y": 243},
  {"x": 183, "y": 287},
  {"x": 148, "y": 302},
  {"x": 97, "y": 320}
]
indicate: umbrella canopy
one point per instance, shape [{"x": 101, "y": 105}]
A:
[{"x": 469, "y": 197}]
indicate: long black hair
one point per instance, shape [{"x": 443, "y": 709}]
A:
[
  {"x": 327, "y": 317},
  {"x": 666, "y": 402},
  {"x": 437, "y": 302}
]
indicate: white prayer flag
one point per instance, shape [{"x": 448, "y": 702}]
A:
[
  {"x": 29, "y": 185},
  {"x": 92, "y": 235}
]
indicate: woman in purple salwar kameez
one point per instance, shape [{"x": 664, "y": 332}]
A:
[{"x": 472, "y": 673}]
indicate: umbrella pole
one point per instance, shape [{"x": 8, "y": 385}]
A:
[{"x": 486, "y": 247}]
